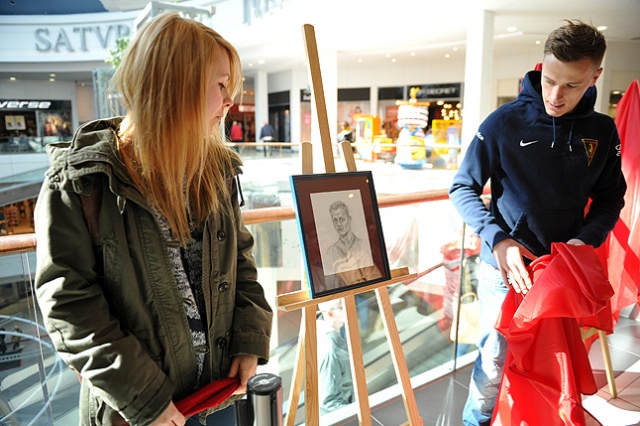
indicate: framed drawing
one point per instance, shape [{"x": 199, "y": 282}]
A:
[{"x": 340, "y": 231}]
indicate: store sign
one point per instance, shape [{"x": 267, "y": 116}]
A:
[
  {"x": 32, "y": 104},
  {"x": 436, "y": 91},
  {"x": 305, "y": 95},
  {"x": 71, "y": 39}
]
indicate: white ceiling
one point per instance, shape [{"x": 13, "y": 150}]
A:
[
  {"x": 375, "y": 31},
  {"x": 380, "y": 30}
]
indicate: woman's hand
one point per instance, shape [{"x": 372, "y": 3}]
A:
[
  {"x": 170, "y": 417},
  {"x": 245, "y": 367}
]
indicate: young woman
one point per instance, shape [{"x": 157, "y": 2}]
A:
[{"x": 145, "y": 276}]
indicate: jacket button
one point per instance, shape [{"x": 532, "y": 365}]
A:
[
  {"x": 221, "y": 235},
  {"x": 223, "y": 287},
  {"x": 221, "y": 342}
]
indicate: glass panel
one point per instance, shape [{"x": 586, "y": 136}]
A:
[{"x": 36, "y": 387}]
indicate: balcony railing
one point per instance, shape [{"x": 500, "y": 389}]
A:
[{"x": 37, "y": 388}]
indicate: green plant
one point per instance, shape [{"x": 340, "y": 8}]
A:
[{"x": 115, "y": 56}]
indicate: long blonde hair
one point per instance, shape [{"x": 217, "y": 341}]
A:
[{"x": 164, "y": 140}]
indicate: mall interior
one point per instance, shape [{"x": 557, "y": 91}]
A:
[{"x": 436, "y": 69}]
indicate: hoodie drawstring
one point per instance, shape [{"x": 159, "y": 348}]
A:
[
  {"x": 571, "y": 136},
  {"x": 553, "y": 142}
]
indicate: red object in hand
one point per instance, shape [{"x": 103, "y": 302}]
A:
[{"x": 208, "y": 396}]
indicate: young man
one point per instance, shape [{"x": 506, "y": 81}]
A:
[{"x": 547, "y": 154}]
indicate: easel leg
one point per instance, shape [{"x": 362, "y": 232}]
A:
[
  {"x": 397, "y": 356},
  {"x": 298, "y": 374},
  {"x": 357, "y": 362},
  {"x": 608, "y": 367},
  {"x": 311, "y": 405}
]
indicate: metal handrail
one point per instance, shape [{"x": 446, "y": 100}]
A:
[{"x": 19, "y": 243}]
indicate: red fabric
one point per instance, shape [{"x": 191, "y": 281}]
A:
[
  {"x": 208, "y": 396},
  {"x": 547, "y": 366},
  {"x": 621, "y": 250},
  {"x": 623, "y": 244}
]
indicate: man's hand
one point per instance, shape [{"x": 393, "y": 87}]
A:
[
  {"x": 508, "y": 254},
  {"x": 245, "y": 366},
  {"x": 170, "y": 417}
]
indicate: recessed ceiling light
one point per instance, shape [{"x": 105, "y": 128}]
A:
[
  {"x": 511, "y": 29},
  {"x": 538, "y": 41},
  {"x": 602, "y": 27},
  {"x": 261, "y": 61},
  {"x": 12, "y": 78},
  {"x": 52, "y": 75},
  {"x": 616, "y": 92},
  {"x": 250, "y": 64},
  {"x": 455, "y": 49},
  {"x": 393, "y": 60},
  {"x": 52, "y": 79},
  {"x": 359, "y": 60},
  {"x": 447, "y": 55},
  {"x": 413, "y": 53},
  {"x": 388, "y": 55}
]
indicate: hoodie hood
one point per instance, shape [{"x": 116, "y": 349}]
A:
[{"x": 532, "y": 92}]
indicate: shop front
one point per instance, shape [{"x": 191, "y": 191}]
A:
[{"x": 29, "y": 125}]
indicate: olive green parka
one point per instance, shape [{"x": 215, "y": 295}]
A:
[{"x": 117, "y": 317}]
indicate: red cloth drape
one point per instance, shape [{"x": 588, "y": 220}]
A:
[
  {"x": 547, "y": 367},
  {"x": 621, "y": 251},
  {"x": 208, "y": 396}
]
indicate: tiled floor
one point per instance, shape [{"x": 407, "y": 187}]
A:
[{"x": 440, "y": 403}]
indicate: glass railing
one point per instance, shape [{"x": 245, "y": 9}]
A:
[
  {"x": 420, "y": 232},
  {"x": 28, "y": 144}
]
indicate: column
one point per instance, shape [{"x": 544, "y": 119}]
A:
[
  {"x": 478, "y": 78},
  {"x": 261, "y": 99}
]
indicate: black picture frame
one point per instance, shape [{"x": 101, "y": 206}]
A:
[{"x": 340, "y": 231}]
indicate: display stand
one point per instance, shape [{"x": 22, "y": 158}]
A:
[{"x": 306, "y": 361}]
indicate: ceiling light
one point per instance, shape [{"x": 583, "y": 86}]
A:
[
  {"x": 393, "y": 60},
  {"x": 359, "y": 60},
  {"x": 447, "y": 55},
  {"x": 455, "y": 49},
  {"x": 250, "y": 64},
  {"x": 538, "y": 41},
  {"x": 602, "y": 27},
  {"x": 413, "y": 53},
  {"x": 12, "y": 78},
  {"x": 388, "y": 55},
  {"x": 511, "y": 29},
  {"x": 261, "y": 61},
  {"x": 52, "y": 79},
  {"x": 52, "y": 75},
  {"x": 616, "y": 92}
]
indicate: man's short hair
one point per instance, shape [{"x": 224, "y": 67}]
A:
[
  {"x": 338, "y": 205},
  {"x": 574, "y": 41}
]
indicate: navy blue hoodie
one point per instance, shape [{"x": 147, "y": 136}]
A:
[{"x": 543, "y": 171}]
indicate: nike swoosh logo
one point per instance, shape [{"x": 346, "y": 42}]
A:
[{"x": 523, "y": 143}]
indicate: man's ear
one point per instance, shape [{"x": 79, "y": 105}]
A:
[{"x": 595, "y": 77}]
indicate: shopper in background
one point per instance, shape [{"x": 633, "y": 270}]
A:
[
  {"x": 267, "y": 134},
  {"x": 236, "y": 135},
  {"x": 145, "y": 276},
  {"x": 549, "y": 157}
]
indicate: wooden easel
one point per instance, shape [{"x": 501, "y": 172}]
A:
[{"x": 306, "y": 362}]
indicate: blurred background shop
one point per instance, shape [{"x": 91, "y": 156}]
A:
[{"x": 412, "y": 79}]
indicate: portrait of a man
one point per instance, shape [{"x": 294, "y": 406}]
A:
[
  {"x": 341, "y": 232},
  {"x": 349, "y": 251}
]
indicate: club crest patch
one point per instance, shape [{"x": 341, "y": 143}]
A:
[{"x": 590, "y": 146}]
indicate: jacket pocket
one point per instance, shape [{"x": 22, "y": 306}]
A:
[{"x": 101, "y": 413}]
